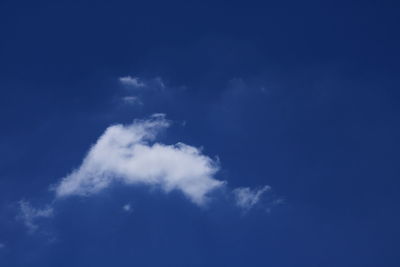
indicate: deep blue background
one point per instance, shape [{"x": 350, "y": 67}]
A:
[{"x": 301, "y": 95}]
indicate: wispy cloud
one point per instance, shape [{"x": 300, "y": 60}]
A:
[
  {"x": 30, "y": 215},
  {"x": 124, "y": 153},
  {"x": 136, "y": 89},
  {"x": 132, "y": 100},
  {"x": 246, "y": 197},
  {"x": 156, "y": 83},
  {"x": 132, "y": 81}
]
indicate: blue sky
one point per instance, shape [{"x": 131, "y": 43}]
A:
[{"x": 208, "y": 133}]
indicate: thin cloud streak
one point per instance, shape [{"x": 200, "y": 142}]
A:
[
  {"x": 246, "y": 197},
  {"x": 30, "y": 215}
]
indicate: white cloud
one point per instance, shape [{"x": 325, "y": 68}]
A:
[
  {"x": 246, "y": 197},
  {"x": 29, "y": 215},
  {"x": 2, "y": 246},
  {"x": 132, "y": 81},
  {"x": 129, "y": 155}
]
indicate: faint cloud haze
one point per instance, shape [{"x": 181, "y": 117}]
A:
[
  {"x": 132, "y": 100},
  {"x": 127, "y": 208},
  {"x": 30, "y": 215}
]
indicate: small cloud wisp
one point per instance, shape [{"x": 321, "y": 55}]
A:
[
  {"x": 30, "y": 215},
  {"x": 246, "y": 197}
]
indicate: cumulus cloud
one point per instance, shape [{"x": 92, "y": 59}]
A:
[
  {"x": 30, "y": 215},
  {"x": 128, "y": 154},
  {"x": 132, "y": 81},
  {"x": 246, "y": 197}
]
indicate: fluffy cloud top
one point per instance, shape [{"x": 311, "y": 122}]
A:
[{"x": 126, "y": 154}]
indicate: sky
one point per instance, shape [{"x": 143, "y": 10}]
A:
[{"x": 199, "y": 133}]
